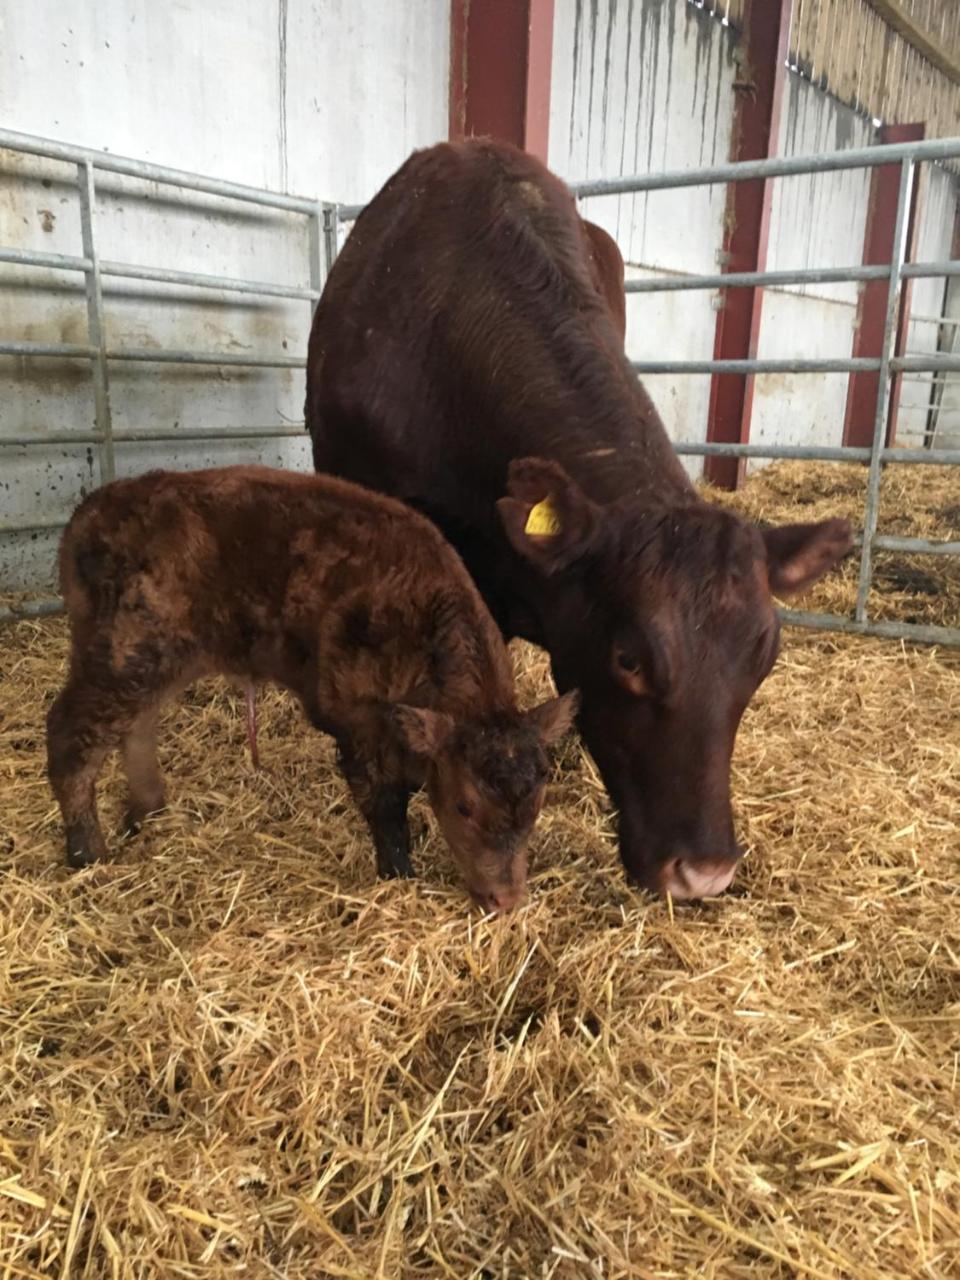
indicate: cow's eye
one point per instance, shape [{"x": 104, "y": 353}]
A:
[
  {"x": 464, "y": 810},
  {"x": 629, "y": 670}
]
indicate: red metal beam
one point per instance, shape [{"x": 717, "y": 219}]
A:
[
  {"x": 759, "y": 87},
  {"x": 871, "y": 313},
  {"x": 500, "y": 60}
]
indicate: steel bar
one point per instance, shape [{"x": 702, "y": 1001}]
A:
[
  {"x": 806, "y": 275},
  {"x": 847, "y": 365},
  {"x": 331, "y": 236},
  {"x": 199, "y": 437},
  {"x": 941, "y": 320},
  {"x": 149, "y": 437},
  {"x": 33, "y": 258},
  {"x": 32, "y": 526},
  {"x": 916, "y": 632},
  {"x": 915, "y": 546},
  {"x": 67, "y": 349},
  {"x": 103, "y": 160},
  {"x": 30, "y": 609},
  {"x": 883, "y": 390},
  {"x": 932, "y": 363},
  {"x": 96, "y": 325},
  {"x": 154, "y": 356},
  {"x": 171, "y": 356},
  {"x": 778, "y": 167},
  {"x": 315, "y": 253},
  {"x": 161, "y": 275},
  {"x": 820, "y": 453},
  {"x": 751, "y": 279}
]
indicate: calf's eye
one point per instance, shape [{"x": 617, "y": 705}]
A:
[{"x": 464, "y": 809}]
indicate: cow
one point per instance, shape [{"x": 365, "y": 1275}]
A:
[
  {"x": 467, "y": 357},
  {"x": 352, "y": 601}
]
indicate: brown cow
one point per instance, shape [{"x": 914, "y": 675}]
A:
[
  {"x": 351, "y": 601},
  {"x": 466, "y": 343}
]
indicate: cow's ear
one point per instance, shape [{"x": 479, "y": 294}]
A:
[
  {"x": 799, "y": 554},
  {"x": 547, "y": 518}
]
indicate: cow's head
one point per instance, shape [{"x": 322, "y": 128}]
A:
[
  {"x": 486, "y": 780},
  {"x": 666, "y": 623}
]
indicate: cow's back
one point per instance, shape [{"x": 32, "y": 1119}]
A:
[{"x": 466, "y": 322}]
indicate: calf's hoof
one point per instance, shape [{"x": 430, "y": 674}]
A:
[
  {"x": 135, "y": 817},
  {"x": 398, "y": 869},
  {"x": 80, "y": 855}
]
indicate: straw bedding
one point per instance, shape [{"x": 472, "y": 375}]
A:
[{"x": 231, "y": 1052}]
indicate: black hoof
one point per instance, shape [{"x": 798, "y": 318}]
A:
[
  {"x": 79, "y": 857},
  {"x": 134, "y": 819},
  {"x": 396, "y": 870},
  {"x": 131, "y": 825}
]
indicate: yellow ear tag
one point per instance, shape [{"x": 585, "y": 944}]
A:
[{"x": 542, "y": 520}]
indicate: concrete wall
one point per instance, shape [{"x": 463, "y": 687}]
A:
[
  {"x": 321, "y": 97},
  {"x": 640, "y": 86}
]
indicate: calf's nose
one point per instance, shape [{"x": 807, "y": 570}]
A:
[
  {"x": 687, "y": 878},
  {"x": 498, "y": 900}
]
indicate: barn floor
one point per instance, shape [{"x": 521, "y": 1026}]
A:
[{"x": 230, "y": 1052}]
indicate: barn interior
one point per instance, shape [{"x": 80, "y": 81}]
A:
[{"x": 231, "y": 1050}]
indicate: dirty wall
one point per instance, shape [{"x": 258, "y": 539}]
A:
[{"x": 319, "y": 97}]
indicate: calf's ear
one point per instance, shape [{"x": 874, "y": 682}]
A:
[
  {"x": 554, "y": 718},
  {"x": 422, "y": 732},
  {"x": 547, "y": 517},
  {"x": 800, "y": 554}
]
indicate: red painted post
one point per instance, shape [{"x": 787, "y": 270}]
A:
[
  {"x": 871, "y": 313},
  {"x": 500, "y": 61},
  {"x": 760, "y": 87}
]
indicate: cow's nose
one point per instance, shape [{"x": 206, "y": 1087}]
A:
[
  {"x": 685, "y": 878},
  {"x": 498, "y": 900}
]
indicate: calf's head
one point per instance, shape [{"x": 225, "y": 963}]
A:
[
  {"x": 665, "y": 620},
  {"x": 486, "y": 780}
]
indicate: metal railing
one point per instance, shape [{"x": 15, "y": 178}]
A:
[
  {"x": 907, "y": 156},
  {"x": 321, "y": 219},
  {"x": 328, "y": 220}
]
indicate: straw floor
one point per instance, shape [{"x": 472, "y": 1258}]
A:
[{"x": 230, "y": 1052}]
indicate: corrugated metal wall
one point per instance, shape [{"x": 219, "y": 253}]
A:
[
  {"x": 640, "y": 86},
  {"x": 646, "y": 85}
]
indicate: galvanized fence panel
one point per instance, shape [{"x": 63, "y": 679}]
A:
[
  {"x": 327, "y": 223},
  {"x": 322, "y": 224}
]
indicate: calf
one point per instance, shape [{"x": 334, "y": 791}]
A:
[{"x": 351, "y": 601}]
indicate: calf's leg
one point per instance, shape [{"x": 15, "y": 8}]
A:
[
  {"x": 82, "y": 727},
  {"x": 140, "y": 764},
  {"x": 384, "y": 805}
]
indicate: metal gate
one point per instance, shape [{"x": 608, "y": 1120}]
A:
[
  {"x": 328, "y": 221},
  {"x": 321, "y": 219}
]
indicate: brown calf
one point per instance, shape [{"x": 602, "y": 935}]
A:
[{"x": 352, "y": 602}]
